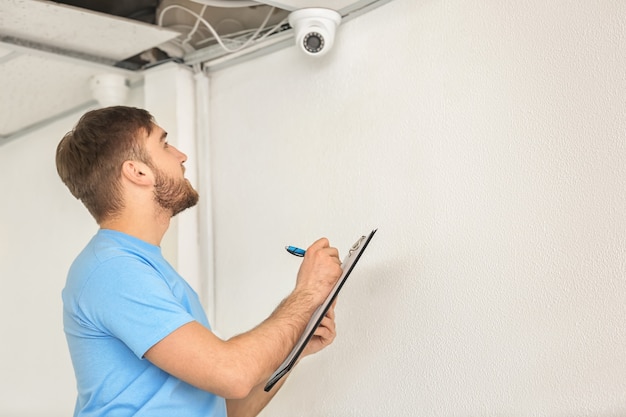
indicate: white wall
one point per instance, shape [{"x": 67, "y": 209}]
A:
[
  {"x": 487, "y": 142},
  {"x": 42, "y": 230}
]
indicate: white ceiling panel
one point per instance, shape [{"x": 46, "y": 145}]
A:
[{"x": 75, "y": 29}]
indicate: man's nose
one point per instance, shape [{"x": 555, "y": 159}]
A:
[{"x": 181, "y": 155}]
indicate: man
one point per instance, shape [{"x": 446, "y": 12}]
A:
[{"x": 138, "y": 337}]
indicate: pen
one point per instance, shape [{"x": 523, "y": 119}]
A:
[{"x": 295, "y": 251}]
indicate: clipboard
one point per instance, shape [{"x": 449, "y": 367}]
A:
[{"x": 348, "y": 264}]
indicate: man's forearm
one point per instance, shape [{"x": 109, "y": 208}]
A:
[
  {"x": 251, "y": 405},
  {"x": 254, "y": 403},
  {"x": 266, "y": 346}
]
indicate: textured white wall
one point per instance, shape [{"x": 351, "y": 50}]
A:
[
  {"x": 42, "y": 229},
  {"x": 487, "y": 142}
]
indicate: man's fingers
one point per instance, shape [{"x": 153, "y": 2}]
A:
[
  {"x": 320, "y": 244},
  {"x": 331, "y": 310},
  {"x": 326, "y": 327},
  {"x": 323, "y": 245}
]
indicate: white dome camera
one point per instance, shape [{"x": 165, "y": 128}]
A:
[{"x": 314, "y": 29}]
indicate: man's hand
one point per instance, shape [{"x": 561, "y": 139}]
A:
[
  {"x": 324, "y": 334},
  {"x": 320, "y": 270}
]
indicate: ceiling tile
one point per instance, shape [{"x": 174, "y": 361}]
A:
[{"x": 75, "y": 29}]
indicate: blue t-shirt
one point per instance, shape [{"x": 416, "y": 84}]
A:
[{"x": 121, "y": 298}]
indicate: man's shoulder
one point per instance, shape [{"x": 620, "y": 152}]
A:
[
  {"x": 108, "y": 256},
  {"x": 108, "y": 244}
]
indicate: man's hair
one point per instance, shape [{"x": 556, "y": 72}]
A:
[{"x": 89, "y": 158}]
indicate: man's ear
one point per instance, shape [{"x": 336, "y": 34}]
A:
[{"x": 137, "y": 173}]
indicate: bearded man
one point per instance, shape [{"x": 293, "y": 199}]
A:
[{"x": 139, "y": 339}]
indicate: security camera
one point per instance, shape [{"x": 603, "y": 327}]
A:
[{"x": 314, "y": 29}]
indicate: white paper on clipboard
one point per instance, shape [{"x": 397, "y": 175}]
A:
[{"x": 354, "y": 254}]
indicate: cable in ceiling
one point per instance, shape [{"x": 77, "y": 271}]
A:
[
  {"x": 227, "y": 3},
  {"x": 217, "y": 37}
]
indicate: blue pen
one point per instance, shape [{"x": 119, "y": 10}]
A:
[{"x": 295, "y": 251}]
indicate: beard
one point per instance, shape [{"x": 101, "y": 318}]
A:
[{"x": 174, "y": 194}]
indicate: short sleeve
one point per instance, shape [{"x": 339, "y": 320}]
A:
[{"x": 128, "y": 299}]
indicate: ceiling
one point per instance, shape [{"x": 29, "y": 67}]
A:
[{"x": 49, "y": 51}]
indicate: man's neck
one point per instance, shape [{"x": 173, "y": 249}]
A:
[{"x": 147, "y": 227}]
